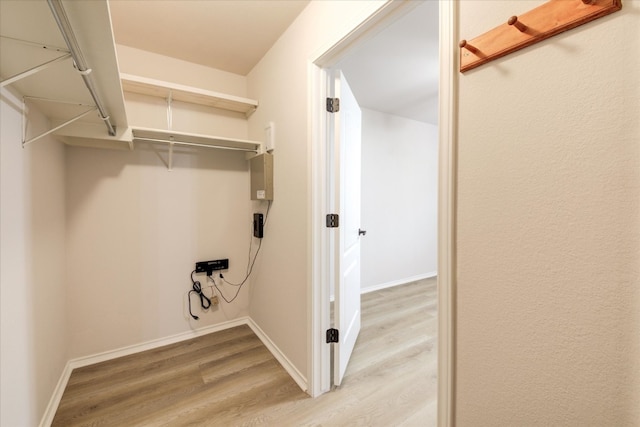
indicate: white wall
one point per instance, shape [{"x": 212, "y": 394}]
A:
[
  {"x": 152, "y": 65},
  {"x": 135, "y": 230},
  {"x": 399, "y": 199},
  {"x": 548, "y": 289},
  {"x": 280, "y": 81},
  {"x": 33, "y": 336}
]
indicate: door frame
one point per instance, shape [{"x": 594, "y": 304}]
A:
[{"x": 318, "y": 302}]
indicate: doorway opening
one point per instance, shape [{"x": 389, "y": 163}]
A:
[
  {"x": 324, "y": 258},
  {"x": 383, "y": 171}
]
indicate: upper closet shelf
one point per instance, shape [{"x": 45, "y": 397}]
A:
[{"x": 178, "y": 92}]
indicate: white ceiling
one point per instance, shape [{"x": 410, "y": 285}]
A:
[
  {"x": 224, "y": 34},
  {"x": 394, "y": 72}
]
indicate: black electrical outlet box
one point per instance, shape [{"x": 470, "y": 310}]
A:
[
  {"x": 210, "y": 266},
  {"x": 258, "y": 225}
]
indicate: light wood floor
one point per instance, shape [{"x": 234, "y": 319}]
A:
[{"x": 230, "y": 379}]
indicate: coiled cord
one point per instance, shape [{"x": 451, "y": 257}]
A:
[{"x": 205, "y": 302}]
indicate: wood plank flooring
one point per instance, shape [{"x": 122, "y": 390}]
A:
[{"x": 230, "y": 379}]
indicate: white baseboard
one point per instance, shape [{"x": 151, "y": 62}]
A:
[
  {"x": 52, "y": 407},
  {"x": 149, "y": 345},
  {"x": 79, "y": 362},
  {"x": 398, "y": 282},
  {"x": 393, "y": 283},
  {"x": 284, "y": 361}
]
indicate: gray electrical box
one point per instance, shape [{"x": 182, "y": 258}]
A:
[{"x": 262, "y": 177}]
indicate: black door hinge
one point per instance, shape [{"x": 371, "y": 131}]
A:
[
  {"x": 332, "y": 335},
  {"x": 333, "y": 105},
  {"x": 333, "y": 220}
]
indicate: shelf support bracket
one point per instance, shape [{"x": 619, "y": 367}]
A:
[
  {"x": 157, "y": 153},
  {"x": 69, "y": 37},
  {"x": 36, "y": 44},
  {"x": 169, "y": 111},
  {"x": 25, "y": 121},
  {"x": 34, "y": 70},
  {"x": 171, "y": 144},
  {"x": 35, "y": 138}
]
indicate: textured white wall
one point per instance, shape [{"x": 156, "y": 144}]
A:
[
  {"x": 399, "y": 199},
  {"x": 548, "y": 285},
  {"x": 279, "y": 294},
  {"x": 33, "y": 336}
]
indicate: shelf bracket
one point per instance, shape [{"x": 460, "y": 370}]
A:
[
  {"x": 35, "y": 98},
  {"x": 169, "y": 110},
  {"x": 35, "y": 138},
  {"x": 34, "y": 70},
  {"x": 36, "y": 44},
  {"x": 250, "y": 111},
  {"x": 153, "y": 148},
  {"x": 152, "y": 144},
  {"x": 69, "y": 37},
  {"x": 171, "y": 144}
]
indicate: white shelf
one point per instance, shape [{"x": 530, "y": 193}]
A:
[
  {"x": 193, "y": 95},
  {"x": 172, "y": 138},
  {"x": 30, "y": 38},
  {"x": 29, "y": 25}
]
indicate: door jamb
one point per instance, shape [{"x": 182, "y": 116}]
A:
[
  {"x": 318, "y": 302},
  {"x": 447, "y": 196}
]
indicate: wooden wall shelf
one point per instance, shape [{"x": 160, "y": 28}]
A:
[{"x": 517, "y": 32}]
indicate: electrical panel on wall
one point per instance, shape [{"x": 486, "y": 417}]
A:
[{"x": 262, "y": 177}]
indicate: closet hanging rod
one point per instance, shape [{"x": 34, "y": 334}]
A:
[
  {"x": 72, "y": 43},
  {"x": 191, "y": 144}
]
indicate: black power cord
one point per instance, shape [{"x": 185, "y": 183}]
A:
[
  {"x": 205, "y": 302},
  {"x": 250, "y": 264}
]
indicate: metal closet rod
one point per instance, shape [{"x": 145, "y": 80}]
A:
[
  {"x": 67, "y": 33},
  {"x": 191, "y": 144}
]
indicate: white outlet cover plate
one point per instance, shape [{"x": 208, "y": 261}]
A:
[{"x": 270, "y": 137}]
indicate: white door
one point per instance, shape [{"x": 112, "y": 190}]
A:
[{"x": 346, "y": 184}]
